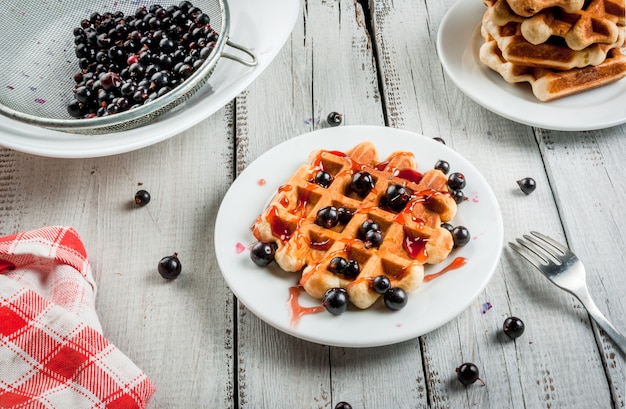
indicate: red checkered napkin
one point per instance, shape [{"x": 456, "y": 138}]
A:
[{"x": 52, "y": 351}]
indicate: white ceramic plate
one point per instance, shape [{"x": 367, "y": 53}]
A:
[
  {"x": 265, "y": 291},
  {"x": 458, "y": 44},
  {"x": 261, "y": 26}
]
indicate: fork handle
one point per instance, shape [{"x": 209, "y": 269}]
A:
[{"x": 585, "y": 298}]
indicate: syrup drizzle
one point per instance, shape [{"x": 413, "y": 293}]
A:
[
  {"x": 296, "y": 310},
  {"x": 415, "y": 246},
  {"x": 456, "y": 263},
  {"x": 279, "y": 228}
]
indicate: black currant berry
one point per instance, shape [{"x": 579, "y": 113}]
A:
[
  {"x": 440, "y": 140},
  {"x": 327, "y": 217},
  {"x": 352, "y": 269},
  {"x": 169, "y": 267},
  {"x": 334, "y": 119},
  {"x": 373, "y": 238},
  {"x": 380, "y": 284},
  {"x": 513, "y": 327},
  {"x": 367, "y": 226},
  {"x": 335, "y": 301},
  {"x": 447, "y": 226},
  {"x": 396, "y": 298},
  {"x": 337, "y": 265},
  {"x": 345, "y": 215},
  {"x": 343, "y": 405},
  {"x": 456, "y": 181},
  {"x": 443, "y": 166},
  {"x": 142, "y": 198},
  {"x": 323, "y": 179},
  {"x": 262, "y": 253},
  {"x": 527, "y": 185},
  {"x": 397, "y": 196},
  {"x": 362, "y": 183},
  {"x": 468, "y": 374},
  {"x": 458, "y": 196},
  {"x": 461, "y": 236}
]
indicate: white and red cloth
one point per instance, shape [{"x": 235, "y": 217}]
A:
[{"x": 52, "y": 351}]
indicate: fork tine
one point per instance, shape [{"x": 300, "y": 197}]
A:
[
  {"x": 550, "y": 241},
  {"x": 534, "y": 249},
  {"x": 532, "y": 257},
  {"x": 546, "y": 249}
]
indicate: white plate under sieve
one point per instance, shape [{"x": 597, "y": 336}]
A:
[{"x": 37, "y": 79}]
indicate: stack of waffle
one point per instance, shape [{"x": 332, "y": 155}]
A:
[{"x": 560, "y": 47}]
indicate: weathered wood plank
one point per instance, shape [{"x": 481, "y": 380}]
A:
[{"x": 532, "y": 371}]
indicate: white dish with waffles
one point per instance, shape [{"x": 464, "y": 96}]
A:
[
  {"x": 458, "y": 44},
  {"x": 265, "y": 291}
]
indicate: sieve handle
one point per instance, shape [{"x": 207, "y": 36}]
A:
[{"x": 250, "y": 63}]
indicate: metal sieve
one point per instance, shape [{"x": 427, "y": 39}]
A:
[{"x": 38, "y": 63}]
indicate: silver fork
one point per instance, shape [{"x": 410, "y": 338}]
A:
[{"x": 566, "y": 271}]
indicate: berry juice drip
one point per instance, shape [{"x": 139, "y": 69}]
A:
[
  {"x": 317, "y": 162},
  {"x": 415, "y": 246},
  {"x": 280, "y": 229},
  {"x": 456, "y": 263},
  {"x": 410, "y": 175},
  {"x": 319, "y": 245},
  {"x": 303, "y": 200},
  {"x": 296, "y": 310}
]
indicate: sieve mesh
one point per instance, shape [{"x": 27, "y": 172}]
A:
[{"x": 38, "y": 62}]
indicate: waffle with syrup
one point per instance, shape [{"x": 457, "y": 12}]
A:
[{"x": 411, "y": 237}]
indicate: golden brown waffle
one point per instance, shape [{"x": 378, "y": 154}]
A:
[
  {"x": 548, "y": 84},
  {"x": 598, "y": 22},
  {"x": 527, "y": 8},
  {"x": 411, "y": 237},
  {"x": 550, "y": 54}
]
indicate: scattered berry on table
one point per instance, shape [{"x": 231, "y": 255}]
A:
[
  {"x": 395, "y": 298},
  {"x": 443, "y": 166},
  {"x": 334, "y": 119},
  {"x": 335, "y": 301},
  {"x": 468, "y": 374},
  {"x": 169, "y": 267},
  {"x": 142, "y": 197},
  {"x": 440, "y": 140},
  {"x": 262, "y": 253},
  {"x": 343, "y": 405},
  {"x": 461, "y": 236},
  {"x": 527, "y": 185},
  {"x": 513, "y": 327}
]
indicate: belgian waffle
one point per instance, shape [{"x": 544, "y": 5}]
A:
[
  {"x": 527, "y": 8},
  {"x": 411, "y": 237},
  {"x": 597, "y": 22},
  {"x": 550, "y": 54},
  {"x": 548, "y": 84}
]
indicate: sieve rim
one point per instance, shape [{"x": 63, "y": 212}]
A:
[{"x": 145, "y": 113}]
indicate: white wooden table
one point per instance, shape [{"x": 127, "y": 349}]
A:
[{"x": 376, "y": 63}]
